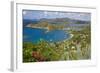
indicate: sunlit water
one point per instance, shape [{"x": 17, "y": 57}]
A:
[{"x": 34, "y": 35}]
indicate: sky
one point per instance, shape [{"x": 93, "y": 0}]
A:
[{"x": 34, "y": 14}]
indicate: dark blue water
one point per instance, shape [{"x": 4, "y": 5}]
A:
[{"x": 34, "y": 35}]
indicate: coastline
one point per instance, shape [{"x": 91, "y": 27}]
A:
[{"x": 29, "y": 25}]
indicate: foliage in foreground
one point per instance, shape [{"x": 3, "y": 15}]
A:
[{"x": 76, "y": 48}]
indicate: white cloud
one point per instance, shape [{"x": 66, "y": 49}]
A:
[{"x": 24, "y": 12}]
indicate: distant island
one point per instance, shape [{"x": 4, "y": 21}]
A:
[
  {"x": 57, "y": 23},
  {"x": 45, "y": 25}
]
